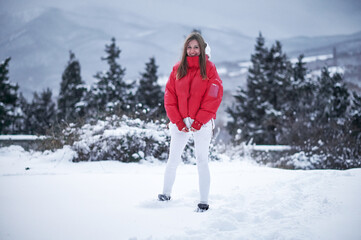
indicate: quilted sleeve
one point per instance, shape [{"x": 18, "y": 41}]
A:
[
  {"x": 171, "y": 100},
  {"x": 212, "y": 98}
]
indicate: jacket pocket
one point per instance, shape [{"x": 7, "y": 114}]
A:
[{"x": 213, "y": 90}]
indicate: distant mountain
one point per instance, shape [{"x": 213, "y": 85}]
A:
[
  {"x": 312, "y": 46},
  {"x": 38, "y": 41}
]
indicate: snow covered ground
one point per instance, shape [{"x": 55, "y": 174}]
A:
[{"x": 58, "y": 199}]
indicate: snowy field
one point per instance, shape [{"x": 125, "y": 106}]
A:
[{"x": 56, "y": 199}]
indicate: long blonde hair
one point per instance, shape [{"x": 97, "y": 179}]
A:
[{"x": 183, "y": 66}]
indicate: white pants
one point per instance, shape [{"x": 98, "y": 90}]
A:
[{"x": 202, "y": 139}]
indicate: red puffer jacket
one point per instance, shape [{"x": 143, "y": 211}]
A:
[{"x": 191, "y": 96}]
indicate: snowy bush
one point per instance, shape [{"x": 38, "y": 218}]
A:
[
  {"x": 302, "y": 160},
  {"x": 121, "y": 138},
  {"x": 291, "y": 157},
  {"x": 269, "y": 155}
]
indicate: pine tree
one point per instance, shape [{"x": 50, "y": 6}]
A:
[
  {"x": 303, "y": 88},
  {"x": 301, "y": 105},
  {"x": 332, "y": 97},
  {"x": 300, "y": 70},
  {"x": 323, "y": 124},
  {"x": 149, "y": 94},
  {"x": 8, "y": 98},
  {"x": 111, "y": 91},
  {"x": 247, "y": 112},
  {"x": 26, "y": 113},
  {"x": 260, "y": 110},
  {"x": 42, "y": 113},
  {"x": 355, "y": 113},
  {"x": 72, "y": 91},
  {"x": 354, "y": 130},
  {"x": 277, "y": 94},
  {"x": 281, "y": 105}
]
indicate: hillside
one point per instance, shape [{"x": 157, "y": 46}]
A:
[{"x": 38, "y": 41}]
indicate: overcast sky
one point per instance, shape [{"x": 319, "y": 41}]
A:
[{"x": 275, "y": 18}]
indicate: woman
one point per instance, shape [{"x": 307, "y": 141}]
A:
[{"x": 192, "y": 96}]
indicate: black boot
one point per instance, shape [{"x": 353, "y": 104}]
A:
[
  {"x": 202, "y": 207},
  {"x": 163, "y": 197}
]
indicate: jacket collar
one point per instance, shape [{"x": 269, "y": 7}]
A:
[{"x": 193, "y": 62}]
